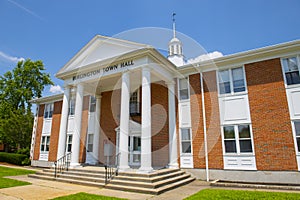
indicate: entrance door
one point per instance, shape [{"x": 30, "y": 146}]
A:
[{"x": 134, "y": 150}]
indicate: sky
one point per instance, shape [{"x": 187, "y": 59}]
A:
[{"x": 55, "y": 30}]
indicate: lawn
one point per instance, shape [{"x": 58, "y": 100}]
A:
[
  {"x": 6, "y": 182},
  {"x": 86, "y": 196},
  {"x": 241, "y": 194}
]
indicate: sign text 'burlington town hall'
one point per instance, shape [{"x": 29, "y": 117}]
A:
[{"x": 105, "y": 69}]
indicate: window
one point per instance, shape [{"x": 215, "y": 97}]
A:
[
  {"x": 72, "y": 106},
  {"x": 231, "y": 81},
  {"x": 48, "y": 111},
  {"x": 45, "y": 143},
  {"x": 297, "y": 134},
  {"x": 69, "y": 142},
  {"x": 183, "y": 89},
  {"x": 291, "y": 70},
  {"x": 92, "y": 104},
  {"x": 90, "y": 142},
  {"x": 186, "y": 146},
  {"x": 134, "y": 103},
  {"x": 237, "y": 139}
]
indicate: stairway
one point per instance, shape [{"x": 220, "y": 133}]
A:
[{"x": 153, "y": 183}]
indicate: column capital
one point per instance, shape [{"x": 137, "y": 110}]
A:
[
  {"x": 146, "y": 69},
  {"x": 98, "y": 96}
]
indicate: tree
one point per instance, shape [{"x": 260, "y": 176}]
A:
[{"x": 17, "y": 87}]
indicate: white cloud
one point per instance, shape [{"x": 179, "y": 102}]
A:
[
  {"x": 55, "y": 89},
  {"x": 208, "y": 56},
  {"x": 10, "y": 58}
]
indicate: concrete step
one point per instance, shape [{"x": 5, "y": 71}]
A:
[
  {"x": 154, "y": 191},
  {"x": 79, "y": 173},
  {"x": 67, "y": 180},
  {"x": 151, "y": 179},
  {"x": 256, "y": 185},
  {"x": 136, "y": 183}
]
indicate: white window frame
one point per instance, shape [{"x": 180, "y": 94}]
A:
[
  {"x": 295, "y": 136},
  {"x": 137, "y": 102},
  {"x": 231, "y": 81},
  {"x": 45, "y": 144},
  {"x": 237, "y": 141},
  {"x": 191, "y": 141},
  {"x": 90, "y": 142},
  {"x": 48, "y": 111},
  {"x": 68, "y": 142},
  {"x": 72, "y": 104},
  {"x": 179, "y": 89},
  {"x": 283, "y": 70},
  {"x": 93, "y": 103}
]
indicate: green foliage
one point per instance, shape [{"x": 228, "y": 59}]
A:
[
  {"x": 17, "y": 87},
  {"x": 86, "y": 196},
  {"x": 13, "y": 158},
  {"x": 215, "y": 194},
  {"x": 6, "y": 182}
]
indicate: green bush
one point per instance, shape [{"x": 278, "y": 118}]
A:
[{"x": 13, "y": 158}]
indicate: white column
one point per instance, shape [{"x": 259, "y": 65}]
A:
[
  {"x": 97, "y": 128},
  {"x": 172, "y": 127},
  {"x": 124, "y": 122},
  {"x": 63, "y": 124},
  {"x": 146, "y": 157},
  {"x": 77, "y": 130}
]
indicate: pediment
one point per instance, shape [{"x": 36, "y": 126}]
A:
[{"x": 98, "y": 49}]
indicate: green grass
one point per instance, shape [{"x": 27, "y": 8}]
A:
[
  {"x": 86, "y": 196},
  {"x": 6, "y": 182},
  {"x": 241, "y": 194}
]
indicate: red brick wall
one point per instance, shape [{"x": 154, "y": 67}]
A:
[
  {"x": 55, "y": 131},
  {"x": 159, "y": 124},
  {"x": 273, "y": 138},
  {"x": 84, "y": 128},
  {"x": 214, "y": 139},
  {"x": 39, "y": 130}
]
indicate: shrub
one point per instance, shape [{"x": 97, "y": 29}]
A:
[{"x": 12, "y": 158}]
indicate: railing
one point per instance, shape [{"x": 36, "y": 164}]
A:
[
  {"x": 111, "y": 170},
  {"x": 62, "y": 164}
]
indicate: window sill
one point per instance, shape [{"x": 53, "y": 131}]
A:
[
  {"x": 292, "y": 86},
  {"x": 238, "y": 155},
  {"x": 233, "y": 94}
]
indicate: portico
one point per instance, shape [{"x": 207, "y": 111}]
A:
[{"x": 123, "y": 74}]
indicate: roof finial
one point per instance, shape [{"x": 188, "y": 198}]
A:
[{"x": 174, "y": 30}]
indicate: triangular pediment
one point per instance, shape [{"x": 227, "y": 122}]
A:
[
  {"x": 134, "y": 127},
  {"x": 98, "y": 49}
]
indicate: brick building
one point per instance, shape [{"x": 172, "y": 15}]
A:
[{"x": 235, "y": 118}]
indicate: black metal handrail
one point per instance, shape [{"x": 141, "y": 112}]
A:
[
  {"x": 62, "y": 164},
  {"x": 111, "y": 170}
]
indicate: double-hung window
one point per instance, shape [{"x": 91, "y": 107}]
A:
[
  {"x": 48, "y": 111},
  {"x": 69, "y": 142},
  {"x": 291, "y": 70},
  {"x": 134, "y": 103},
  {"x": 72, "y": 106},
  {"x": 231, "y": 81},
  {"x": 237, "y": 139},
  {"x": 297, "y": 135},
  {"x": 186, "y": 142},
  {"x": 45, "y": 143},
  {"x": 184, "y": 89},
  {"x": 90, "y": 142},
  {"x": 92, "y": 104}
]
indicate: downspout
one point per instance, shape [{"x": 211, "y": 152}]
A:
[{"x": 204, "y": 128}]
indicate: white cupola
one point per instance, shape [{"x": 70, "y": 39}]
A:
[{"x": 175, "y": 48}]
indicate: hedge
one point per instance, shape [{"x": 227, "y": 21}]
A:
[{"x": 12, "y": 158}]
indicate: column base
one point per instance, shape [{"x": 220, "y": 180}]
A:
[
  {"x": 74, "y": 165},
  {"x": 173, "y": 166},
  {"x": 124, "y": 168},
  {"x": 145, "y": 170}
]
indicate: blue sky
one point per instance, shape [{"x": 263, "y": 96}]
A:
[{"x": 55, "y": 30}]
